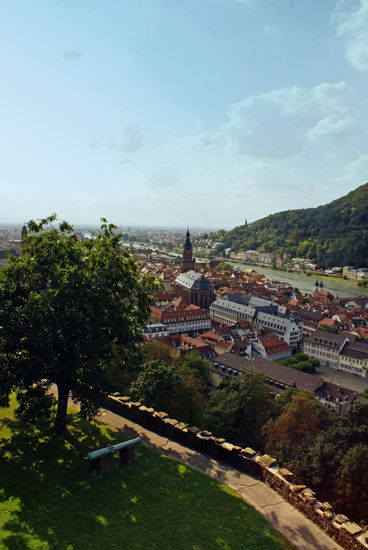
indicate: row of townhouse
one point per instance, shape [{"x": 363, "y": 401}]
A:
[
  {"x": 183, "y": 319},
  {"x": 338, "y": 351},
  {"x": 235, "y": 308}
]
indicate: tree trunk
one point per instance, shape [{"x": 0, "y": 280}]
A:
[{"x": 62, "y": 406}]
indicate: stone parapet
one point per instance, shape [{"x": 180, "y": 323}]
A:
[{"x": 346, "y": 533}]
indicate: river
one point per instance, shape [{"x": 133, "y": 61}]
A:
[{"x": 305, "y": 283}]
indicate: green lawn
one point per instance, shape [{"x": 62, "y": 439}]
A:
[{"x": 49, "y": 498}]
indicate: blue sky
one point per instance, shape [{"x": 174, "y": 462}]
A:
[{"x": 180, "y": 112}]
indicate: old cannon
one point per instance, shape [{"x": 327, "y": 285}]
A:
[{"x": 126, "y": 451}]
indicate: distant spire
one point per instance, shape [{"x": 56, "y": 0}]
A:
[
  {"x": 188, "y": 262},
  {"x": 24, "y": 234},
  {"x": 187, "y": 243}
]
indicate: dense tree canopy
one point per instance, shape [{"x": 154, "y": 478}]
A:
[
  {"x": 239, "y": 410},
  {"x": 155, "y": 385},
  {"x": 297, "y": 423},
  {"x": 69, "y": 309},
  {"x": 301, "y": 361},
  {"x": 177, "y": 386},
  {"x": 335, "y": 234}
]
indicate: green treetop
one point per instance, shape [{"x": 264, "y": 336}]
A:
[{"x": 67, "y": 309}]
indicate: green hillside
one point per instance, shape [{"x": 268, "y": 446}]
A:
[{"x": 334, "y": 234}]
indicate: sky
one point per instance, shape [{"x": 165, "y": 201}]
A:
[{"x": 180, "y": 112}]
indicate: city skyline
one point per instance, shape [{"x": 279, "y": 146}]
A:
[{"x": 175, "y": 113}]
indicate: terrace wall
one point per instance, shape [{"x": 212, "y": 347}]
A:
[{"x": 345, "y": 532}]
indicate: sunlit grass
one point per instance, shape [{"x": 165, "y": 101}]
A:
[{"x": 50, "y": 499}]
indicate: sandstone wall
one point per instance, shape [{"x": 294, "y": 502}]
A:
[{"x": 345, "y": 532}]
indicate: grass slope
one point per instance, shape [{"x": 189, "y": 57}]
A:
[{"x": 49, "y": 498}]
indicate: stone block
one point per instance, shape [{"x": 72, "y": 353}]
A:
[
  {"x": 172, "y": 421},
  {"x": 203, "y": 435},
  {"x": 297, "y": 488},
  {"x": 227, "y": 446},
  {"x": 181, "y": 426},
  {"x": 248, "y": 452},
  {"x": 161, "y": 415},
  {"x": 286, "y": 474},
  {"x": 266, "y": 461},
  {"x": 325, "y": 506},
  {"x": 193, "y": 430},
  {"x": 352, "y": 528},
  {"x": 309, "y": 496},
  {"x": 340, "y": 519}
]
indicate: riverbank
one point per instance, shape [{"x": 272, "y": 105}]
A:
[
  {"x": 305, "y": 283},
  {"x": 316, "y": 274},
  {"x": 339, "y": 278}
]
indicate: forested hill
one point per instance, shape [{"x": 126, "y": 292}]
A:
[{"x": 335, "y": 234}]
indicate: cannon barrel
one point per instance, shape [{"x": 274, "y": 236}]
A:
[{"x": 111, "y": 449}]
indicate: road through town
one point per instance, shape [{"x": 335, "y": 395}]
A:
[{"x": 356, "y": 383}]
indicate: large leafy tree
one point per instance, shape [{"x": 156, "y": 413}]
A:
[
  {"x": 155, "y": 385},
  {"x": 240, "y": 409},
  {"x": 176, "y": 386},
  {"x": 297, "y": 423},
  {"x": 68, "y": 310}
]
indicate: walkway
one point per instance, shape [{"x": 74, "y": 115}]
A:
[{"x": 302, "y": 532}]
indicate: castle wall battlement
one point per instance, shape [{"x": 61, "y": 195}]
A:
[{"x": 265, "y": 468}]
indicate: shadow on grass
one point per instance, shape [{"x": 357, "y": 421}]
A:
[{"x": 50, "y": 499}]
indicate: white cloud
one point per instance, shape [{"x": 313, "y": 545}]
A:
[
  {"x": 357, "y": 170},
  {"x": 271, "y": 30},
  {"x": 94, "y": 144},
  {"x": 276, "y": 124},
  {"x": 70, "y": 55},
  {"x": 165, "y": 177},
  {"x": 131, "y": 141},
  {"x": 333, "y": 126},
  {"x": 352, "y": 27}
]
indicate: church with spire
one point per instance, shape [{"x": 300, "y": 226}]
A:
[
  {"x": 188, "y": 263},
  {"x": 24, "y": 235},
  {"x": 194, "y": 288}
]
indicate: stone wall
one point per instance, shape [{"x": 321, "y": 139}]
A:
[{"x": 345, "y": 532}]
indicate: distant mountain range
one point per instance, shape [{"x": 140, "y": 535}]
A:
[{"x": 335, "y": 234}]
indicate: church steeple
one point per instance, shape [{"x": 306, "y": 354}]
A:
[
  {"x": 187, "y": 244},
  {"x": 187, "y": 262},
  {"x": 24, "y": 235}
]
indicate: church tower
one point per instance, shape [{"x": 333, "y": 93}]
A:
[
  {"x": 187, "y": 262},
  {"x": 316, "y": 287},
  {"x": 24, "y": 235}
]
